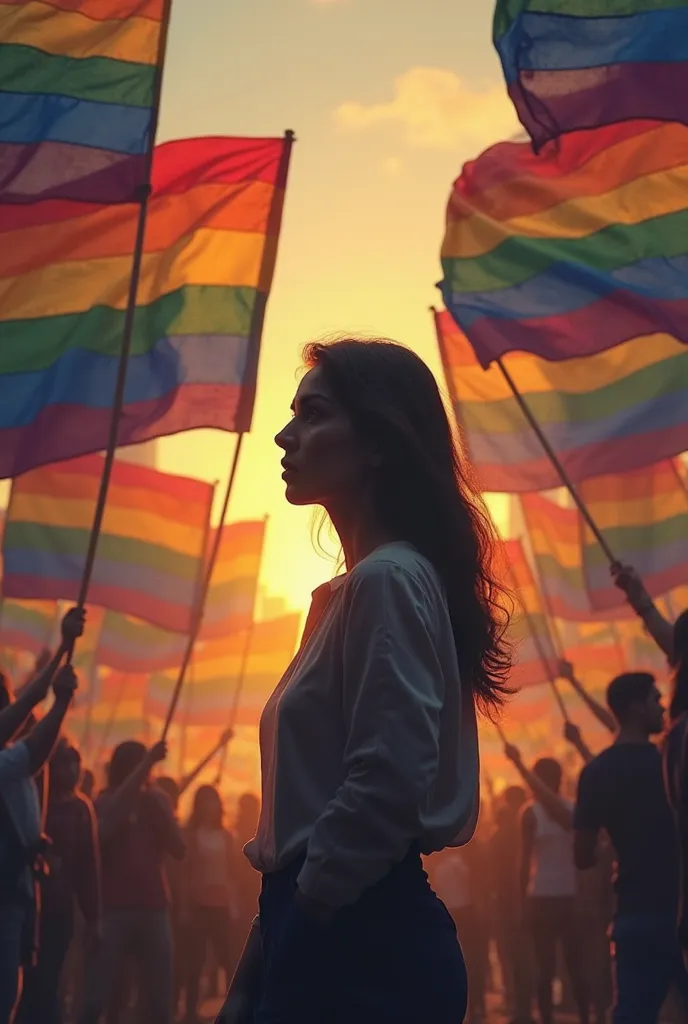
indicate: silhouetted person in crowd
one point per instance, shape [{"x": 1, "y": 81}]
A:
[
  {"x": 676, "y": 764},
  {"x": 138, "y": 832},
  {"x": 209, "y": 893},
  {"x": 453, "y": 881},
  {"x": 73, "y": 860},
  {"x": 548, "y": 884},
  {"x": 622, "y": 792},
  {"x": 20, "y": 808},
  {"x": 247, "y": 878},
  {"x": 513, "y": 945}
]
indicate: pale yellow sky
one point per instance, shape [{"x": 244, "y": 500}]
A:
[{"x": 387, "y": 100}]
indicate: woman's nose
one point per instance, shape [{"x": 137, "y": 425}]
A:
[{"x": 285, "y": 439}]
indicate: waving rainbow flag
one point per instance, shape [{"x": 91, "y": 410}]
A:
[
  {"x": 644, "y": 517},
  {"x": 584, "y": 63},
  {"x": 555, "y": 539},
  {"x": 79, "y": 88},
  {"x": 575, "y": 250},
  {"x": 234, "y": 583},
  {"x": 209, "y": 256},
  {"x": 260, "y": 654},
  {"x": 29, "y": 626},
  {"x": 614, "y": 412},
  {"x": 130, "y": 645},
  {"x": 151, "y": 545},
  {"x": 535, "y": 660}
]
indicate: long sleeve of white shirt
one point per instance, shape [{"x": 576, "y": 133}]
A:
[{"x": 393, "y": 690}]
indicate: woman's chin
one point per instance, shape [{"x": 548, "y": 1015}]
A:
[{"x": 296, "y": 497}]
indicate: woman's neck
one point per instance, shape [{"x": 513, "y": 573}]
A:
[{"x": 359, "y": 530}]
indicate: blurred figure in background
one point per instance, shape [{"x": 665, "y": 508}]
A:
[
  {"x": 622, "y": 792},
  {"x": 73, "y": 875},
  {"x": 138, "y": 832},
  {"x": 676, "y": 764},
  {"x": 513, "y": 944},
  {"x": 209, "y": 892},
  {"x": 455, "y": 884},
  {"x": 247, "y": 879}
]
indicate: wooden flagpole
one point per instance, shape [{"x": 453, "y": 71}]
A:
[
  {"x": 198, "y": 615},
  {"x": 556, "y": 462},
  {"x": 137, "y": 260},
  {"x": 222, "y": 764}
]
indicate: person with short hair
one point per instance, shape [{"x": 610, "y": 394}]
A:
[{"x": 622, "y": 792}]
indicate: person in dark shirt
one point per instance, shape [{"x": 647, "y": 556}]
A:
[
  {"x": 74, "y": 871},
  {"x": 676, "y": 764},
  {"x": 622, "y": 792},
  {"x": 138, "y": 832}
]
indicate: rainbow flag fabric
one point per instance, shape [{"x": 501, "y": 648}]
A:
[
  {"x": 254, "y": 660},
  {"x": 130, "y": 645},
  {"x": 535, "y": 659},
  {"x": 28, "y": 626},
  {"x": 79, "y": 84},
  {"x": 644, "y": 517},
  {"x": 585, "y": 63},
  {"x": 234, "y": 583},
  {"x": 554, "y": 533},
  {"x": 618, "y": 411},
  {"x": 575, "y": 250},
  {"x": 209, "y": 256},
  {"x": 150, "y": 553}
]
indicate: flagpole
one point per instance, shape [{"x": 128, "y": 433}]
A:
[
  {"x": 540, "y": 651},
  {"x": 556, "y": 462},
  {"x": 234, "y": 713},
  {"x": 198, "y": 614},
  {"x": 144, "y": 194}
]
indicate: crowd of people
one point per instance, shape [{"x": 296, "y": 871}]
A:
[
  {"x": 369, "y": 753},
  {"x": 109, "y": 905}
]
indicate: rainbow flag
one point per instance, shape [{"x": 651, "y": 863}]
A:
[
  {"x": 573, "y": 251},
  {"x": 614, "y": 412},
  {"x": 209, "y": 255},
  {"x": 262, "y": 653},
  {"x": 644, "y": 517},
  {"x": 554, "y": 533},
  {"x": 232, "y": 593},
  {"x": 151, "y": 544},
  {"x": 29, "y": 626},
  {"x": 535, "y": 659},
  {"x": 130, "y": 645},
  {"x": 585, "y": 63},
  {"x": 79, "y": 89}
]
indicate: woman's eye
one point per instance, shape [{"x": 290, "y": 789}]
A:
[{"x": 311, "y": 414}]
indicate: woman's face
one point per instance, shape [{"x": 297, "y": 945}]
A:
[{"x": 324, "y": 461}]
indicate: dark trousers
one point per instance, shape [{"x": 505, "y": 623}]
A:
[
  {"x": 391, "y": 958},
  {"x": 554, "y": 921},
  {"x": 208, "y": 927},
  {"x": 647, "y": 962},
  {"x": 40, "y": 1002}
]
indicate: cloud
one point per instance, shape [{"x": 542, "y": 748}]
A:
[{"x": 435, "y": 108}]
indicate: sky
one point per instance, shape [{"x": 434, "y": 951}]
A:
[{"x": 387, "y": 98}]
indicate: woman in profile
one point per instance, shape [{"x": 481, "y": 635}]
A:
[{"x": 369, "y": 743}]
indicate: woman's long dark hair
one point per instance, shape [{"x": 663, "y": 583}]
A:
[
  {"x": 209, "y": 795},
  {"x": 425, "y": 493},
  {"x": 679, "y": 664}
]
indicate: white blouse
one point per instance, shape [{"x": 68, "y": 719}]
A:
[{"x": 368, "y": 744}]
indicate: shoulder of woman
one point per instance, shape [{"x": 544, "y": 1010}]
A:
[{"x": 397, "y": 568}]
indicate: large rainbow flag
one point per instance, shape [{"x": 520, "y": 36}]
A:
[
  {"x": 614, "y": 412},
  {"x": 130, "y": 645},
  {"x": 151, "y": 548},
  {"x": 209, "y": 256},
  {"x": 79, "y": 85},
  {"x": 575, "y": 250},
  {"x": 572, "y": 64},
  {"x": 251, "y": 661},
  {"x": 234, "y": 583},
  {"x": 644, "y": 517}
]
